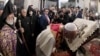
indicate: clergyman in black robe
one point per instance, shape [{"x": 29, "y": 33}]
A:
[
  {"x": 32, "y": 16},
  {"x": 27, "y": 32}
]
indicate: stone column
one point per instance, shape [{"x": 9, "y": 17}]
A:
[
  {"x": 98, "y": 6},
  {"x": 26, "y": 3}
]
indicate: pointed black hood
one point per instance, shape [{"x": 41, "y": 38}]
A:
[
  {"x": 30, "y": 9},
  {"x": 8, "y": 9}
]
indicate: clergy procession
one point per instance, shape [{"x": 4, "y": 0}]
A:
[{"x": 53, "y": 31}]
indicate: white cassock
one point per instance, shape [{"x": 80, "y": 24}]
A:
[{"x": 45, "y": 43}]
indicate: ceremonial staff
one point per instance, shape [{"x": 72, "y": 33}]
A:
[{"x": 24, "y": 41}]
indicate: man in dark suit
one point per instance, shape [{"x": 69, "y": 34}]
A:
[
  {"x": 79, "y": 13},
  {"x": 44, "y": 19}
]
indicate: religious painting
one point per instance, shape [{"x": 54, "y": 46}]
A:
[
  {"x": 85, "y": 29},
  {"x": 94, "y": 6}
]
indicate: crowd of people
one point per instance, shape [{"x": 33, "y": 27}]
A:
[{"x": 34, "y": 32}]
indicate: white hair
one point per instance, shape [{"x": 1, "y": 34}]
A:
[{"x": 70, "y": 27}]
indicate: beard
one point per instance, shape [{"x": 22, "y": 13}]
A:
[{"x": 11, "y": 22}]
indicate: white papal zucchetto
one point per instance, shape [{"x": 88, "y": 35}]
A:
[{"x": 70, "y": 27}]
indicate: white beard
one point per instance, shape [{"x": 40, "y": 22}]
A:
[{"x": 10, "y": 22}]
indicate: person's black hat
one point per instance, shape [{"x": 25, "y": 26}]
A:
[
  {"x": 8, "y": 9},
  {"x": 30, "y": 9}
]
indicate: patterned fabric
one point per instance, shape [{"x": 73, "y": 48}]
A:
[
  {"x": 8, "y": 41},
  {"x": 62, "y": 53},
  {"x": 93, "y": 48}
]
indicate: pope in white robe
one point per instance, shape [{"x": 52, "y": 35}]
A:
[{"x": 45, "y": 43}]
